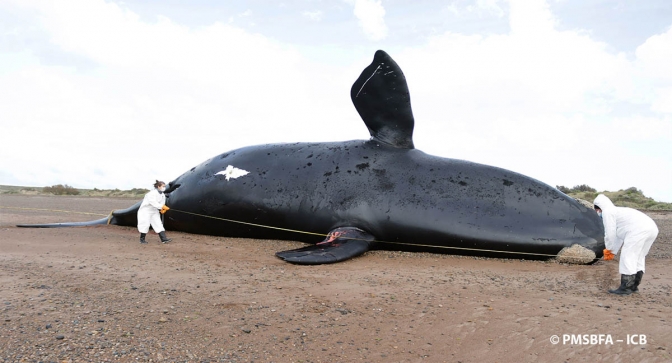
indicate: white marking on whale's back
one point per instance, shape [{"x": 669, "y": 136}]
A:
[{"x": 232, "y": 172}]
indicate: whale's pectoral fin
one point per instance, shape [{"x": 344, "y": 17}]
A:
[
  {"x": 330, "y": 252},
  {"x": 341, "y": 244}
]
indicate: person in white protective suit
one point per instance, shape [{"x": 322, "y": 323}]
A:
[
  {"x": 149, "y": 212},
  {"x": 635, "y": 232}
]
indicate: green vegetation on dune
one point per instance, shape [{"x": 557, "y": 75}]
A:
[
  {"x": 631, "y": 197},
  {"x": 64, "y": 189}
]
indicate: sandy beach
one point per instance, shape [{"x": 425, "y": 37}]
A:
[{"x": 94, "y": 294}]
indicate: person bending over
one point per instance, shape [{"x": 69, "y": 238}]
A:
[{"x": 632, "y": 230}]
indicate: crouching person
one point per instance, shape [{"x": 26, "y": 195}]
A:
[{"x": 632, "y": 230}]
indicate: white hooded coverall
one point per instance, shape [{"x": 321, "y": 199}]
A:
[
  {"x": 629, "y": 228},
  {"x": 148, "y": 213}
]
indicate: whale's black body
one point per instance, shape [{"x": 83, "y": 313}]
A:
[{"x": 377, "y": 193}]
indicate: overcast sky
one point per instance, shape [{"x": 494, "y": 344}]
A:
[{"x": 111, "y": 94}]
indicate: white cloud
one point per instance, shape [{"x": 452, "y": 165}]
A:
[
  {"x": 156, "y": 103},
  {"x": 530, "y": 18},
  {"x": 663, "y": 100},
  {"x": 480, "y": 7},
  {"x": 641, "y": 128},
  {"x": 491, "y": 6},
  {"x": 653, "y": 60},
  {"x": 313, "y": 15},
  {"x": 245, "y": 14},
  {"x": 371, "y": 16},
  {"x": 656, "y": 51}
]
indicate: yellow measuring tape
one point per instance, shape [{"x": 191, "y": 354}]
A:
[
  {"x": 109, "y": 218},
  {"x": 377, "y": 241}
]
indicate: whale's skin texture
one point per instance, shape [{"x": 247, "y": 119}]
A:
[{"x": 414, "y": 200}]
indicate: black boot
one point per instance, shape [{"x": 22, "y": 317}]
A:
[
  {"x": 638, "y": 279},
  {"x": 164, "y": 239},
  {"x": 142, "y": 237},
  {"x": 627, "y": 284}
]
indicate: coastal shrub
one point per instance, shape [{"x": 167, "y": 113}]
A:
[
  {"x": 583, "y": 188},
  {"x": 60, "y": 189}
]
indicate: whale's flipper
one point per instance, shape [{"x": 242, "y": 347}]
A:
[
  {"x": 342, "y": 244},
  {"x": 381, "y": 97}
]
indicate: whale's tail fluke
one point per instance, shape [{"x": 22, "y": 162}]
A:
[
  {"x": 65, "y": 224},
  {"x": 121, "y": 217}
]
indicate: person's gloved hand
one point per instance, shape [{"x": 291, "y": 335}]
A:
[
  {"x": 164, "y": 209},
  {"x": 608, "y": 256}
]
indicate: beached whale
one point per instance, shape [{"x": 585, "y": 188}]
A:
[{"x": 376, "y": 193}]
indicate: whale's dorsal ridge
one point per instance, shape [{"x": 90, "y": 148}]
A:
[{"x": 381, "y": 97}]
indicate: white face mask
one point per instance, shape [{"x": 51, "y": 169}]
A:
[{"x": 162, "y": 189}]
